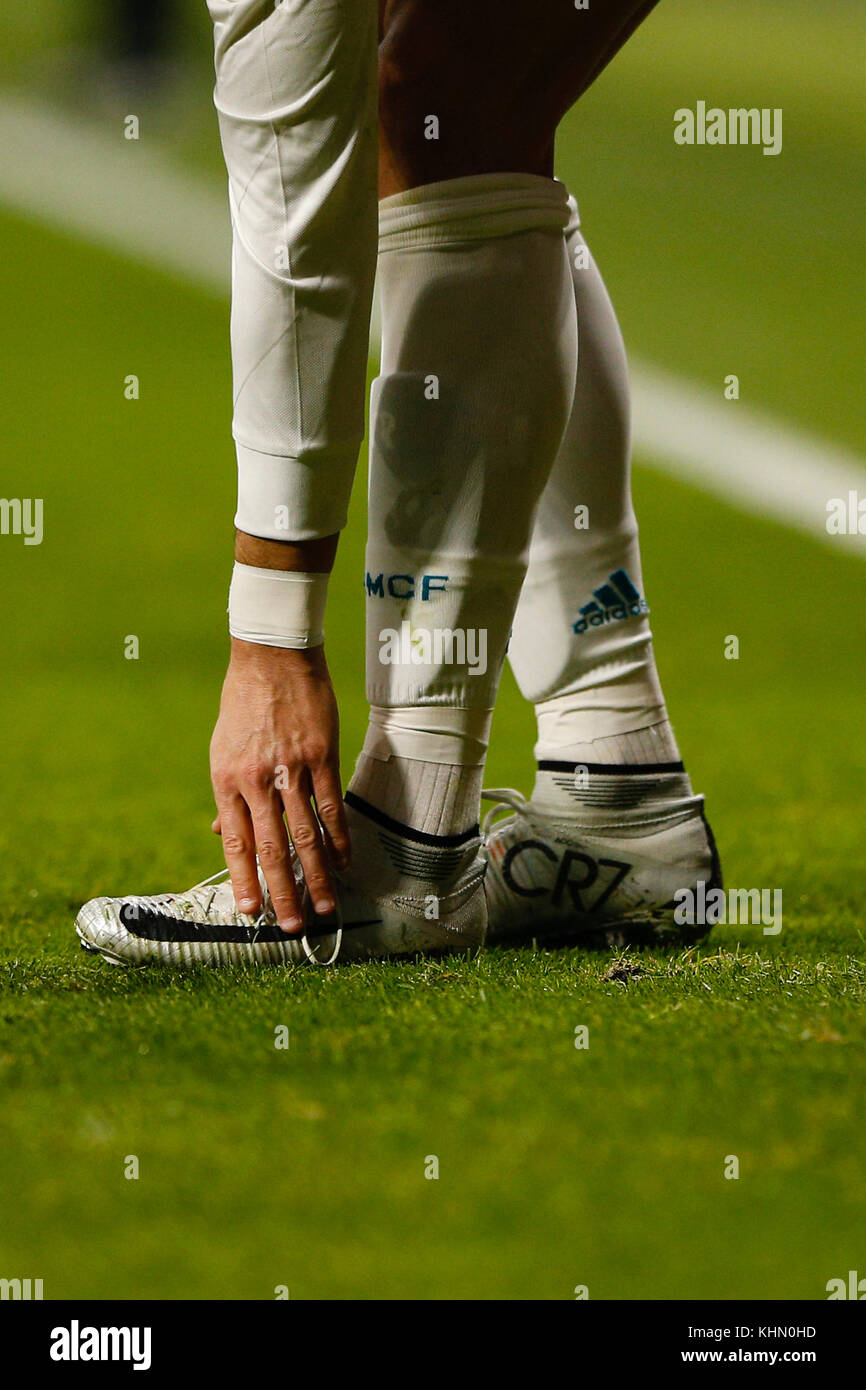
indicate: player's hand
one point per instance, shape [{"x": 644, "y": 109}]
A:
[{"x": 274, "y": 749}]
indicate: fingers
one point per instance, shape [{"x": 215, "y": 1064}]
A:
[
  {"x": 272, "y": 844},
  {"x": 310, "y": 848},
  {"x": 331, "y": 810},
  {"x": 250, "y": 820},
  {"x": 240, "y": 855},
  {"x": 252, "y": 825}
]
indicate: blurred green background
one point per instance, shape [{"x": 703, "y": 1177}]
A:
[{"x": 306, "y": 1168}]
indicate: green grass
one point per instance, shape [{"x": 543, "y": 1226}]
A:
[{"x": 558, "y": 1167}]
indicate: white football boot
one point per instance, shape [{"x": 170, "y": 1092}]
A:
[
  {"x": 406, "y": 894},
  {"x": 603, "y": 875}
]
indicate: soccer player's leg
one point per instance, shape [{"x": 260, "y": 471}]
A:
[
  {"x": 477, "y": 374},
  {"x": 613, "y": 829},
  {"x": 511, "y": 75},
  {"x": 477, "y": 377}
]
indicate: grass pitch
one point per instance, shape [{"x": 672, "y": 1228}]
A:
[{"x": 304, "y": 1167}]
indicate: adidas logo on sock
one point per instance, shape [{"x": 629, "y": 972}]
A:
[{"x": 613, "y": 601}]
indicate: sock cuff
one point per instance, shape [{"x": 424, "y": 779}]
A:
[
  {"x": 429, "y": 733},
  {"x": 477, "y": 207}
]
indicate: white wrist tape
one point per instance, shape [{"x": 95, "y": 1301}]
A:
[{"x": 277, "y": 608}]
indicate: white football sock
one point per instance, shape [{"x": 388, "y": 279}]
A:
[
  {"x": 437, "y": 798},
  {"x": 581, "y": 649},
  {"x": 425, "y": 765},
  {"x": 477, "y": 378}
]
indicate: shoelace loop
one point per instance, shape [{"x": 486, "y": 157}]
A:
[
  {"x": 505, "y": 799},
  {"x": 311, "y": 955}
]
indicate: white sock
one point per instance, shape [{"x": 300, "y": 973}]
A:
[
  {"x": 414, "y": 819},
  {"x": 424, "y": 766},
  {"x": 582, "y": 648},
  {"x": 438, "y": 798},
  {"x": 477, "y": 378}
]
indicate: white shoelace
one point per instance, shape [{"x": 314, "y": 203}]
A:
[{"x": 505, "y": 799}]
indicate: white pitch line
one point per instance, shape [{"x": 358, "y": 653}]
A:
[
  {"x": 750, "y": 460},
  {"x": 73, "y": 176}
]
